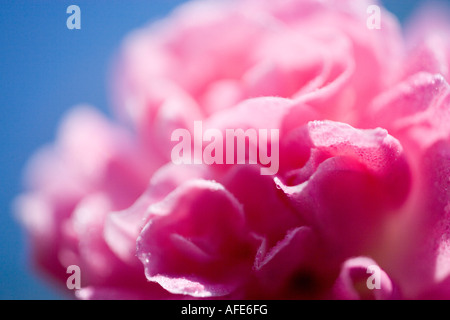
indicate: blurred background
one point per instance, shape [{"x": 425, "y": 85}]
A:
[{"x": 45, "y": 69}]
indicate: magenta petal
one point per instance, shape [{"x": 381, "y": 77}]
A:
[
  {"x": 427, "y": 35},
  {"x": 275, "y": 268},
  {"x": 152, "y": 292},
  {"x": 415, "y": 111},
  {"x": 197, "y": 242},
  {"x": 430, "y": 57},
  {"x": 96, "y": 260},
  {"x": 376, "y": 149},
  {"x": 123, "y": 227},
  {"x": 261, "y": 198},
  {"x": 437, "y": 204},
  {"x": 297, "y": 267},
  {"x": 258, "y": 113},
  {"x": 424, "y": 268},
  {"x": 356, "y": 281},
  {"x": 352, "y": 180}
]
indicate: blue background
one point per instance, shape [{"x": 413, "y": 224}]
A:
[{"x": 45, "y": 69}]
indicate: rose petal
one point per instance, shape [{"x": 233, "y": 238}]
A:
[
  {"x": 261, "y": 198},
  {"x": 197, "y": 242},
  {"x": 356, "y": 276},
  {"x": 349, "y": 181},
  {"x": 296, "y": 267},
  {"x": 123, "y": 227}
]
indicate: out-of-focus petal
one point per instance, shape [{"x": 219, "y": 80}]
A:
[{"x": 362, "y": 278}]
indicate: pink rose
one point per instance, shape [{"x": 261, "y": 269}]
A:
[
  {"x": 318, "y": 53},
  {"x": 358, "y": 186}
]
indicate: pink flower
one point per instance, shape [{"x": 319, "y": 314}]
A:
[
  {"x": 362, "y": 149},
  {"x": 318, "y": 53}
]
